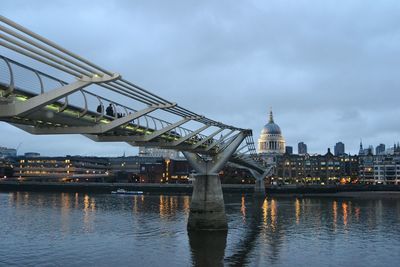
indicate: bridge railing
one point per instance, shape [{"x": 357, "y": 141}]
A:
[
  {"x": 16, "y": 75},
  {"x": 18, "y": 78}
]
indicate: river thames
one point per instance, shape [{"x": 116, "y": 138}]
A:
[{"x": 67, "y": 229}]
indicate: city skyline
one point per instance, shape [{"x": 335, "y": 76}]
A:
[
  {"x": 124, "y": 153},
  {"x": 324, "y": 87}
]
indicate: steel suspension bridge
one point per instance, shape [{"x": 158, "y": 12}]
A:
[{"x": 105, "y": 107}]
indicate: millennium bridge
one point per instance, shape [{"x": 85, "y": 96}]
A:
[{"x": 76, "y": 96}]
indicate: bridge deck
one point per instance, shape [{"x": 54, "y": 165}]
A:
[{"x": 51, "y": 115}]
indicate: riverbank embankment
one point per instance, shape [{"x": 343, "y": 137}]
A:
[
  {"x": 358, "y": 191},
  {"x": 108, "y": 187}
]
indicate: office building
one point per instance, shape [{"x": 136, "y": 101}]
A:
[
  {"x": 380, "y": 150},
  {"x": 316, "y": 169},
  {"x": 6, "y": 152},
  {"x": 69, "y": 168},
  {"x": 381, "y": 169},
  {"x": 339, "y": 149},
  {"x": 301, "y": 148},
  {"x": 289, "y": 150}
]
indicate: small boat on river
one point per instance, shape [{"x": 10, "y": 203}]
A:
[{"x": 121, "y": 191}]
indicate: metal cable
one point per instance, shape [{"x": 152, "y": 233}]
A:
[{"x": 50, "y": 43}]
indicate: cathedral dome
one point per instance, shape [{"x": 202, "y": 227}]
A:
[
  {"x": 271, "y": 127},
  {"x": 271, "y": 140}
]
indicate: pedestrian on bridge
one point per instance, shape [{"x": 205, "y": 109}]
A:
[
  {"x": 100, "y": 109},
  {"x": 110, "y": 110}
]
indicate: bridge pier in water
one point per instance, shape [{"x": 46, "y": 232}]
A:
[
  {"x": 207, "y": 208},
  {"x": 259, "y": 187}
]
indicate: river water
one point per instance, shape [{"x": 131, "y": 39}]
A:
[{"x": 67, "y": 229}]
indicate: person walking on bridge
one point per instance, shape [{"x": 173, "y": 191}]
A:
[{"x": 110, "y": 110}]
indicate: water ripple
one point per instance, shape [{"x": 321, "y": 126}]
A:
[{"x": 61, "y": 229}]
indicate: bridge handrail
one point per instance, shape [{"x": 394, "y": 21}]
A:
[{"x": 62, "y": 82}]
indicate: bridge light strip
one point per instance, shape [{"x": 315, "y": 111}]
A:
[{"x": 55, "y": 107}]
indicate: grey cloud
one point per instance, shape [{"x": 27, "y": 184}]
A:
[{"x": 328, "y": 68}]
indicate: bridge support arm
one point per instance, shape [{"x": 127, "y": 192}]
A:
[
  {"x": 259, "y": 187},
  {"x": 196, "y": 162},
  {"x": 217, "y": 142},
  {"x": 187, "y": 137},
  {"x": 39, "y": 101},
  {"x": 222, "y": 158},
  {"x": 164, "y": 130},
  {"x": 206, "y": 139},
  {"x": 217, "y": 162}
]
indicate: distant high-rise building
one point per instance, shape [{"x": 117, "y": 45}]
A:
[
  {"x": 339, "y": 149},
  {"x": 380, "y": 150},
  {"x": 289, "y": 150},
  {"x": 370, "y": 150},
  {"x": 302, "y": 148},
  {"x": 7, "y": 152}
]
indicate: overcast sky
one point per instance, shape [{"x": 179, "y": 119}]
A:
[{"x": 329, "y": 69}]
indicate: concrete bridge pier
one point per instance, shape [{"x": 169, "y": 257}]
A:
[
  {"x": 259, "y": 187},
  {"x": 207, "y": 208}
]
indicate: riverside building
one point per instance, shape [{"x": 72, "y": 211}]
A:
[
  {"x": 62, "y": 169},
  {"x": 6, "y": 152},
  {"x": 134, "y": 169},
  {"x": 140, "y": 169},
  {"x": 6, "y": 168},
  {"x": 381, "y": 168},
  {"x": 316, "y": 169}
]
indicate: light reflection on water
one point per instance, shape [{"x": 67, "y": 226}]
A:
[{"x": 70, "y": 229}]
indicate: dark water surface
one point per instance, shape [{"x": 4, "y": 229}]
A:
[{"x": 64, "y": 229}]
